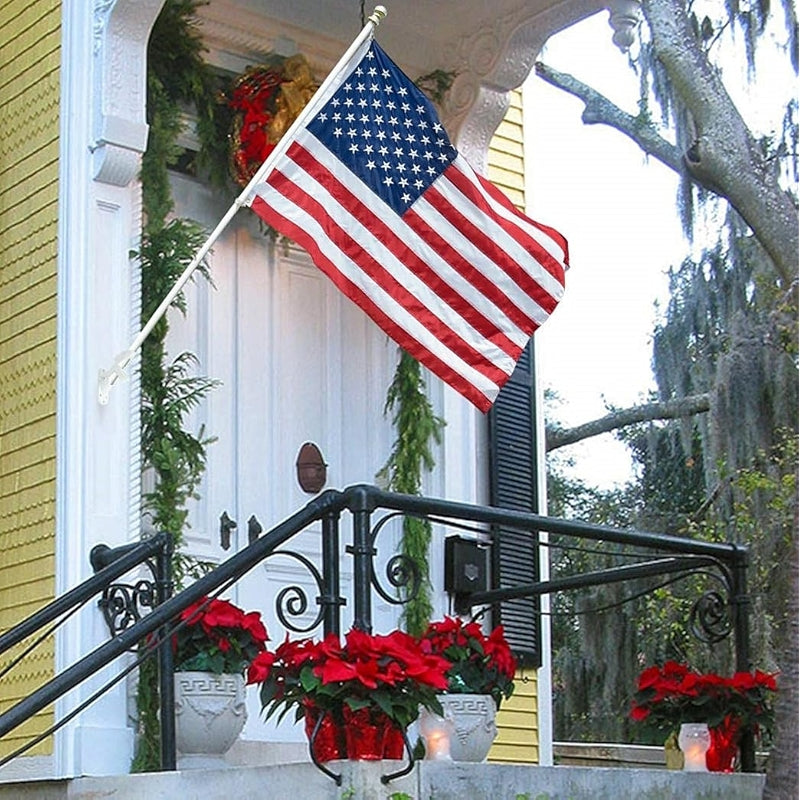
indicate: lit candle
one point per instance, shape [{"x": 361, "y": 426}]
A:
[
  {"x": 436, "y": 732},
  {"x": 694, "y": 741}
]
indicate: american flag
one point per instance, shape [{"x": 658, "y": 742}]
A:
[{"x": 388, "y": 209}]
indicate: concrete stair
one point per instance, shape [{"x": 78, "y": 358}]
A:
[{"x": 428, "y": 780}]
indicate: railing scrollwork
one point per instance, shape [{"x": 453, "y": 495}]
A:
[{"x": 401, "y": 571}]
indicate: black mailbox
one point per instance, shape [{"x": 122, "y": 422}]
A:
[{"x": 465, "y": 568}]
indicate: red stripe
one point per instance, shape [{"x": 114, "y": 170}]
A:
[
  {"x": 502, "y": 198},
  {"x": 467, "y": 270},
  {"x": 492, "y": 250},
  {"x": 417, "y": 350},
  {"x": 409, "y": 259},
  {"x": 473, "y": 196},
  {"x": 375, "y": 270}
]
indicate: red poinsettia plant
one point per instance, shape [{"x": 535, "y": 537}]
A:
[
  {"x": 479, "y": 663},
  {"x": 672, "y": 694},
  {"x": 381, "y": 673},
  {"x": 217, "y": 637}
]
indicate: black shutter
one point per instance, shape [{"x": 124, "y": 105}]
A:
[{"x": 513, "y": 485}]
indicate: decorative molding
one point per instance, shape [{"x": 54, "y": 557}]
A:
[
  {"x": 624, "y": 17},
  {"x": 492, "y": 60},
  {"x": 237, "y": 38},
  {"x": 121, "y": 29}
]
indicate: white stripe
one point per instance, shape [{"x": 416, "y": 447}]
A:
[
  {"x": 420, "y": 248},
  {"x": 427, "y": 298},
  {"x": 464, "y": 246},
  {"x": 537, "y": 234},
  {"x": 516, "y": 251},
  {"x": 374, "y": 291}
]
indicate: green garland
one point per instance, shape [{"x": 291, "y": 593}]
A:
[{"x": 417, "y": 429}]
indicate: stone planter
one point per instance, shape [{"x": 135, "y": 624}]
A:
[
  {"x": 210, "y": 712},
  {"x": 474, "y": 728}
]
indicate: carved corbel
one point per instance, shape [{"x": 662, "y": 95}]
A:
[
  {"x": 488, "y": 64},
  {"x": 121, "y": 32}
]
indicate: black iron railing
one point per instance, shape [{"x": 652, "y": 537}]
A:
[{"x": 123, "y": 604}]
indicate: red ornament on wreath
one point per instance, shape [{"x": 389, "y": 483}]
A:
[{"x": 265, "y": 100}]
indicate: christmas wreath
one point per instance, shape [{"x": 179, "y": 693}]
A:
[{"x": 264, "y": 101}]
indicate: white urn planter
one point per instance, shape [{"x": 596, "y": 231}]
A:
[
  {"x": 210, "y": 712},
  {"x": 474, "y": 726}
]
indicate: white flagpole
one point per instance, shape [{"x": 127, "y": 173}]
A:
[{"x": 107, "y": 378}]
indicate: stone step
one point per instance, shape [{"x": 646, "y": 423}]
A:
[{"x": 362, "y": 781}]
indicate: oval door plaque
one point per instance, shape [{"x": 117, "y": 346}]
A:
[{"x": 312, "y": 471}]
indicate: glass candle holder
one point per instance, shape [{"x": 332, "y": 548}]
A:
[
  {"x": 694, "y": 740},
  {"x": 436, "y": 731}
]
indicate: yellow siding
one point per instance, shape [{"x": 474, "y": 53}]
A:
[
  {"x": 517, "y": 723},
  {"x": 506, "y": 166},
  {"x": 30, "y": 33}
]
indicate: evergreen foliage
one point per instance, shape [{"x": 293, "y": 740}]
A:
[{"x": 418, "y": 428}]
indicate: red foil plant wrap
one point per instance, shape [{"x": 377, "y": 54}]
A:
[
  {"x": 672, "y": 694},
  {"x": 372, "y": 685},
  {"x": 265, "y": 100}
]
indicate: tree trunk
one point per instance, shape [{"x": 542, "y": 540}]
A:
[
  {"x": 783, "y": 767},
  {"x": 668, "y": 409}
]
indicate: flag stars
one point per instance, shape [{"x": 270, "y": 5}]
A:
[{"x": 388, "y": 137}]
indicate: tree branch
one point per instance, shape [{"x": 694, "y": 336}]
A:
[
  {"x": 725, "y": 151},
  {"x": 599, "y": 110},
  {"x": 667, "y": 409}
]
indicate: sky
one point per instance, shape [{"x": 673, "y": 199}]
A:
[{"x": 617, "y": 210}]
